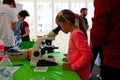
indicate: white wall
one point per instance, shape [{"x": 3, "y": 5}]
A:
[
  {"x": 0, "y": 2},
  {"x": 61, "y": 41}
]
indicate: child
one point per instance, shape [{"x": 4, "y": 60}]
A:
[
  {"x": 24, "y": 26},
  {"x": 79, "y": 53}
]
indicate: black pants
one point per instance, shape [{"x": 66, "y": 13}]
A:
[
  {"x": 96, "y": 50},
  {"x": 109, "y": 73},
  {"x": 26, "y": 38}
]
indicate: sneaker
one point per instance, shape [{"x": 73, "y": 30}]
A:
[
  {"x": 99, "y": 76},
  {"x": 90, "y": 76}
]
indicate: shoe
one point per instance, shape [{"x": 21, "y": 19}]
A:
[
  {"x": 99, "y": 76},
  {"x": 90, "y": 76}
]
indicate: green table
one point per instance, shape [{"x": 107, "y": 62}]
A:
[{"x": 26, "y": 72}]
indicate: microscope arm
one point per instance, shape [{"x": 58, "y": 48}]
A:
[
  {"x": 40, "y": 44},
  {"x": 51, "y": 36}
]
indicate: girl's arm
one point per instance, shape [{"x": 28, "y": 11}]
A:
[{"x": 26, "y": 32}]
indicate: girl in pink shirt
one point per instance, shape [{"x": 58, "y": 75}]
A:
[{"x": 79, "y": 53}]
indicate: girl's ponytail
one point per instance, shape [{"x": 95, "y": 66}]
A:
[{"x": 80, "y": 23}]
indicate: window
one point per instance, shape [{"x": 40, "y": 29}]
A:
[
  {"x": 59, "y": 5},
  {"x": 76, "y": 5},
  {"x": 30, "y": 7},
  {"x": 44, "y": 17},
  {"x": 43, "y": 13}
]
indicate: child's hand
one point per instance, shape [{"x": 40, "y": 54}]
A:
[
  {"x": 65, "y": 59},
  {"x": 66, "y": 66}
]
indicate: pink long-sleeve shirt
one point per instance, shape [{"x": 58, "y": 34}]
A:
[{"x": 79, "y": 54}]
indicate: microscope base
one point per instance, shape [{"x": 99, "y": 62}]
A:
[{"x": 47, "y": 62}]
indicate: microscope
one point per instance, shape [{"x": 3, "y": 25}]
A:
[{"x": 42, "y": 46}]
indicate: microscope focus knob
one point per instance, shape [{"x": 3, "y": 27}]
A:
[{"x": 36, "y": 54}]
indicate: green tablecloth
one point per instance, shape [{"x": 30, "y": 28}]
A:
[
  {"x": 27, "y": 44},
  {"x": 26, "y": 72}
]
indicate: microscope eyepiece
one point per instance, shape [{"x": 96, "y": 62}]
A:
[{"x": 57, "y": 29}]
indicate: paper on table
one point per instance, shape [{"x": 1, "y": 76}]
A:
[
  {"x": 13, "y": 69},
  {"x": 41, "y": 69}
]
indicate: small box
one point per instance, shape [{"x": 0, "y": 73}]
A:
[{"x": 21, "y": 55}]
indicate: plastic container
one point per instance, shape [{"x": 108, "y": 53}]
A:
[
  {"x": 5, "y": 61},
  {"x": 1, "y": 48},
  {"x": 29, "y": 53},
  {"x": 5, "y": 67},
  {"x": 5, "y": 74}
]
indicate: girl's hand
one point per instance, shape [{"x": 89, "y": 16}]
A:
[
  {"x": 65, "y": 59},
  {"x": 66, "y": 66}
]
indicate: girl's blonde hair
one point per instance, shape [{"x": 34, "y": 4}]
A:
[{"x": 70, "y": 16}]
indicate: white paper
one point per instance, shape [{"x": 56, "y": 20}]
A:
[
  {"x": 13, "y": 69},
  {"x": 40, "y": 69}
]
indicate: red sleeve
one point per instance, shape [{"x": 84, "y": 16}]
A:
[
  {"x": 81, "y": 43},
  {"x": 26, "y": 24},
  {"x": 101, "y": 16}
]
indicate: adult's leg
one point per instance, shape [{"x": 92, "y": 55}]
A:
[
  {"x": 95, "y": 51},
  {"x": 109, "y": 73},
  {"x": 101, "y": 57}
]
